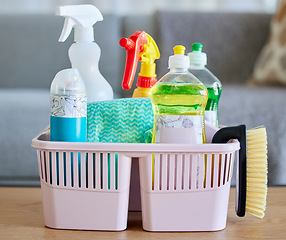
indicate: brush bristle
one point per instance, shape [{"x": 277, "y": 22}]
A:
[{"x": 256, "y": 191}]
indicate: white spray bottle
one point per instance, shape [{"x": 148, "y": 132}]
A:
[{"x": 84, "y": 54}]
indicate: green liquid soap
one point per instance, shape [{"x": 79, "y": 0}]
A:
[
  {"x": 198, "y": 61},
  {"x": 213, "y": 98},
  {"x": 179, "y": 100},
  {"x": 179, "y": 109},
  {"x": 212, "y": 104}
]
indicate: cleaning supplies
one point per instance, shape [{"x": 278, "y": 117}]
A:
[
  {"x": 252, "y": 171},
  {"x": 125, "y": 120},
  {"x": 68, "y": 107},
  {"x": 179, "y": 101},
  {"x": 84, "y": 54},
  {"x": 140, "y": 46},
  {"x": 68, "y": 110},
  {"x": 198, "y": 61}
]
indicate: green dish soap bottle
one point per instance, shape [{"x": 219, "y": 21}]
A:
[
  {"x": 198, "y": 61},
  {"x": 179, "y": 101}
]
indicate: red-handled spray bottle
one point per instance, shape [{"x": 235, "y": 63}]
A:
[{"x": 140, "y": 47}]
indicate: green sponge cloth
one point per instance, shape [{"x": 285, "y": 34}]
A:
[{"x": 125, "y": 120}]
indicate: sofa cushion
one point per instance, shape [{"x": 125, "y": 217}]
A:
[
  {"x": 256, "y": 106},
  {"x": 24, "y": 113},
  {"x": 270, "y": 67},
  {"x": 232, "y": 41}
]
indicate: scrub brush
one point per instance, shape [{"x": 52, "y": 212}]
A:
[{"x": 251, "y": 181}]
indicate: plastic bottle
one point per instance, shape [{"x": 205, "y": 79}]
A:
[
  {"x": 84, "y": 54},
  {"x": 179, "y": 101},
  {"x": 68, "y": 107},
  {"x": 140, "y": 46},
  {"x": 68, "y": 111},
  {"x": 198, "y": 61}
]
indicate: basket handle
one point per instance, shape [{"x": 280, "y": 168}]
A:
[{"x": 223, "y": 135}]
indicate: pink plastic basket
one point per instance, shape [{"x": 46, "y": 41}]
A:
[
  {"x": 183, "y": 187},
  {"x": 186, "y": 189}
]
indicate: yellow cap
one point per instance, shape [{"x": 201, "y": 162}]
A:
[
  {"x": 179, "y": 49},
  {"x": 179, "y": 59}
]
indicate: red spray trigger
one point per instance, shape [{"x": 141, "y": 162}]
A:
[{"x": 134, "y": 45}]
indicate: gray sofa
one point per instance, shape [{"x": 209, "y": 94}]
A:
[{"x": 31, "y": 56}]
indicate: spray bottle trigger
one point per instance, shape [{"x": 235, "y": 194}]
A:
[{"x": 68, "y": 25}]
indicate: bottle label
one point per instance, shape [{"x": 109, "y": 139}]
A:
[
  {"x": 68, "y": 106},
  {"x": 184, "y": 129},
  {"x": 211, "y": 117}
]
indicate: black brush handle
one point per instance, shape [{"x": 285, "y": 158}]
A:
[{"x": 223, "y": 135}]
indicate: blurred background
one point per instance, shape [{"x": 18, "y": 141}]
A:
[
  {"x": 123, "y": 7},
  {"x": 235, "y": 35}
]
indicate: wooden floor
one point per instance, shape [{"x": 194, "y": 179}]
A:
[{"x": 21, "y": 217}]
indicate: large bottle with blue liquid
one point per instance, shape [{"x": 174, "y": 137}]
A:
[
  {"x": 68, "y": 107},
  {"x": 198, "y": 61},
  {"x": 179, "y": 101}
]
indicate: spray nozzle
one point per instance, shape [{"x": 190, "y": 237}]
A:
[
  {"x": 140, "y": 47},
  {"x": 82, "y": 18}
]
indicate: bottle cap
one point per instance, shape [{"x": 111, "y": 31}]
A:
[
  {"x": 179, "y": 59},
  {"x": 68, "y": 82},
  {"x": 197, "y": 57}
]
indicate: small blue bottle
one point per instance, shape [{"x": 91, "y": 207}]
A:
[{"x": 68, "y": 110}]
